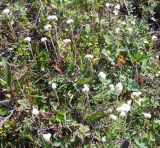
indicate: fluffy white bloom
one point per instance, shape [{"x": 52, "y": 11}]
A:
[
  {"x": 124, "y": 108},
  {"x": 117, "y": 30},
  {"x": 147, "y": 115},
  {"x": 47, "y": 27},
  {"x": 110, "y": 110},
  {"x": 103, "y": 139},
  {"x": 89, "y": 56},
  {"x": 119, "y": 88},
  {"x": 69, "y": 21},
  {"x": 52, "y": 17},
  {"x": 5, "y": 12},
  {"x": 157, "y": 56},
  {"x": 122, "y": 114},
  {"x": 66, "y": 41},
  {"x": 27, "y": 39},
  {"x": 129, "y": 102},
  {"x": 154, "y": 38},
  {"x": 115, "y": 12},
  {"x": 123, "y": 23},
  {"x": 107, "y": 5},
  {"x": 113, "y": 117},
  {"x": 153, "y": 19},
  {"x": 130, "y": 29},
  {"x": 135, "y": 95},
  {"x": 117, "y": 6},
  {"x": 111, "y": 88},
  {"x": 47, "y": 137},
  {"x": 54, "y": 86},
  {"x": 35, "y": 111},
  {"x": 133, "y": 22},
  {"x": 85, "y": 88},
  {"x": 102, "y": 76},
  {"x": 44, "y": 39}
]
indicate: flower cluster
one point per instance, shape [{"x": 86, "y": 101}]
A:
[
  {"x": 124, "y": 109},
  {"x": 136, "y": 95}
]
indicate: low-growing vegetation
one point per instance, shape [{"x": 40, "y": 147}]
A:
[{"x": 79, "y": 73}]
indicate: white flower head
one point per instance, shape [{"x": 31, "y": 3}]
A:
[
  {"x": 136, "y": 95},
  {"x": 47, "y": 137},
  {"x": 103, "y": 139},
  {"x": 113, "y": 117},
  {"x": 89, "y": 56},
  {"x": 133, "y": 22},
  {"x": 157, "y": 56},
  {"x": 85, "y": 88},
  {"x": 69, "y": 21},
  {"x": 35, "y": 111},
  {"x": 107, "y": 5},
  {"x": 47, "y": 27},
  {"x": 111, "y": 88},
  {"x": 27, "y": 39},
  {"x": 52, "y": 17},
  {"x": 5, "y": 12},
  {"x": 124, "y": 108},
  {"x": 119, "y": 88},
  {"x": 117, "y": 7},
  {"x": 43, "y": 40},
  {"x": 102, "y": 76},
  {"x": 115, "y": 12},
  {"x": 147, "y": 115},
  {"x": 66, "y": 41},
  {"x": 130, "y": 29},
  {"x": 154, "y": 38},
  {"x": 122, "y": 114},
  {"x": 54, "y": 86},
  {"x": 123, "y": 23},
  {"x": 117, "y": 30}
]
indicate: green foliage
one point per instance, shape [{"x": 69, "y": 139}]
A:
[{"x": 90, "y": 79}]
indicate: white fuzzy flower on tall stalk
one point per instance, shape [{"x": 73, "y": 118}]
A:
[
  {"x": 147, "y": 115},
  {"x": 113, "y": 117},
  {"x": 102, "y": 76},
  {"x": 133, "y": 22},
  {"x": 5, "y": 12},
  {"x": 107, "y": 5},
  {"x": 123, "y": 23},
  {"x": 136, "y": 95},
  {"x": 117, "y": 30},
  {"x": 47, "y": 27},
  {"x": 43, "y": 40},
  {"x": 54, "y": 86},
  {"x": 130, "y": 29},
  {"x": 47, "y": 137},
  {"x": 27, "y": 39},
  {"x": 125, "y": 108},
  {"x": 117, "y": 7},
  {"x": 52, "y": 17},
  {"x": 111, "y": 88},
  {"x": 66, "y": 41},
  {"x": 154, "y": 38},
  {"x": 35, "y": 111},
  {"x": 85, "y": 89},
  {"x": 89, "y": 56},
  {"x": 115, "y": 12},
  {"x": 118, "y": 88},
  {"x": 122, "y": 114},
  {"x": 69, "y": 21}
]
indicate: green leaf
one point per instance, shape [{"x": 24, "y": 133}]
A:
[
  {"x": 95, "y": 117},
  {"x": 3, "y": 112},
  {"x": 8, "y": 74}
]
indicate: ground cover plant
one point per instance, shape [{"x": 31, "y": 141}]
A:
[{"x": 79, "y": 73}]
